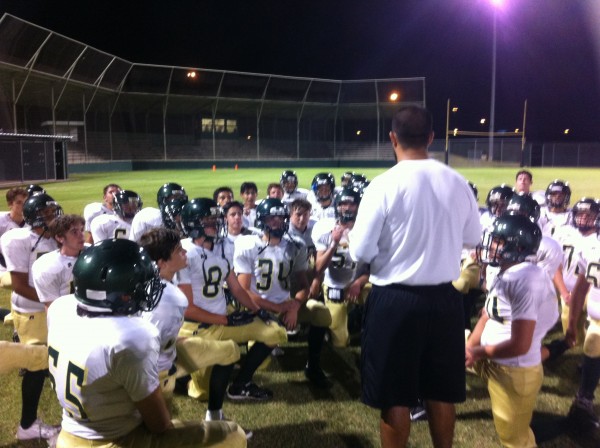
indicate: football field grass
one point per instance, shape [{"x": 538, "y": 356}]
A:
[{"x": 299, "y": 415}]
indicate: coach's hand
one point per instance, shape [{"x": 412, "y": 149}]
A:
[{"x": 238, "y": 318}]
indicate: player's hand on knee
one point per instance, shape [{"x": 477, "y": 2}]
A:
[{"x": 238, "y": 318}]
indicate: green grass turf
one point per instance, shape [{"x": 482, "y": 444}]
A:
[
  {"x": 300, "y": 416},
  {"x": 81, "y": 189}
]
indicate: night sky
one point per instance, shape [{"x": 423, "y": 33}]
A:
[{"x": 546, "y": 50}]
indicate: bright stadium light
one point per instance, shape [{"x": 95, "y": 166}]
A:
[{"x": 394, "y": 96}]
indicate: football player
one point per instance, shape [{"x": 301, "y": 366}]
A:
[
  {"x": 289, "y": 184},
  {"x": 223, "y": 195},
  {"x": 505, "y": 346},
  {"x": 126, "y": 204},
  {"x": 12, "y": 219},
  {"x": 103, "y": 357},
  {"x": 94, "y": 209},
  {"x": 52, "y": 272},
  {"x": 21, "y": 247},
  {"x": 496, "y": 202},
  {"x": 206, "y": 316},
  {"x": 150, "y": 217},
  {"x": 272, "y": 269},
  {"x": 249, "y": 191},
  {"x": 274, "y": 190},
  {"x": 180, "y": 356},
  {"x": 556, "y": 213},
  {"x": 571, "y": 237},
  {"x": 321, "y": 196},
  {"x": 345, "y": 282},
  {"x": 581, "y": 413}
]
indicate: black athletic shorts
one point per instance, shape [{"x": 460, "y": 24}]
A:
[{"x": 413, "y": 346}]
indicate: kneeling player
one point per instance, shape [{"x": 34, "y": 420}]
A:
[{"x": 103, "y": 358}]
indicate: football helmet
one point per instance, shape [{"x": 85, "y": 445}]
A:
[
  {"x": 171, "y": 213},
  {"x": 345, "y": 179},
  {"x": 585, "y": 215},
  {"x": 39, "y": 210},
  {"x": 168, "y": 191},
  {"x": 497, "y": 199},
  {"x": 288, "y": 181},
  {"x": 558, "y": 186},
  {"x": 523, "y": 204},
  {"x": 358, "y": 180},
  {"x": 199, "y": 214},
  {"x": 474, "y": 189},
  {"x": 348, "y": 195},
  {"x": 512, "y": 239},
  {"x": 323, "y": 179},
  {"x": 126, "y": 204},
  {"x": 34, "y": 189},
  {"x": 116, "y": 275},
  {"x": 272, "y": 207}
]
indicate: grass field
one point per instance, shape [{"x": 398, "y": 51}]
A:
[{"x": 300, "y": 416}]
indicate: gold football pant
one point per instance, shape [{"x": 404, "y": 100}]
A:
[
  {"x": 564, "y": 317},
  {"x": 591, "y": 344},
  {"x": 271, "y": 334},
  {"x": 22, "y": 356},
  {"x": 339, "y": 316},
  {"x": 197, "y": 353},
  {"x": 513, "y": 392},
  {"x": 217, "y": 434}
]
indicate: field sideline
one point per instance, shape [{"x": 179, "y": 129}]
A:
[{"x": 300, "y": 416}]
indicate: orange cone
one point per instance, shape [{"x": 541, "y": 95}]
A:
[{"x": 214, "y": 167}]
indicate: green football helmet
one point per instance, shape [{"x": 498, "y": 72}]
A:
[
  {"x": 497, "y": 199},
  {"x": 171, "y": 213},
  {"x": 558, "y": 186},
  {"x": 39, "y": 210},
  {"x": 288, "y": 181},
  {"x": 272, "y": 207},
  {"x": 116, "y": 275},
  {"x": 199, "y": 214},
  {"x": 351, "y": 195},
  {"x": 585, "y": 214},
  {"x": 169, "y": 191},
  {"x": 524, "y": 204},
  {"x": 34, "y": 189},
  {"x": 127, "y": 204},
  {"x": 323, "y": 179},
  {"x": 513, "y": 238}
]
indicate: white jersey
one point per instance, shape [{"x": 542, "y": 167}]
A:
[
  {"x": 549, "y": 256},
  {"x": 146, "y": 219},
  {"x": 249, "y": 219},
  {"x": 342, "y": 270},
  {"x": 100, "y": 367},
  {"x": 6, "y": 224},
  {"x": 319, "y": 212},
  {"x": 92, "y": 210},
  {"x": 298, "y": 193},
  {"x": 206, "y": 272},
  {"x": 588, "y": 263},
  {"x": 570, "y": 239},
  {"x": 106, "y": 227},
  {"x": 550, "y": 221},
  {"x": 53, "y": 276},
  {"x": 18, "y": 250},
  {"x": 167, "y": 317},
  {"x": 305, "y": 236},
  {"x": 272, "y": 267},
  {"x": 519, "y": 293}
]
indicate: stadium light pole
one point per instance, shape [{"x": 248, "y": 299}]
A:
[{"x": 495, "y": 5}]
